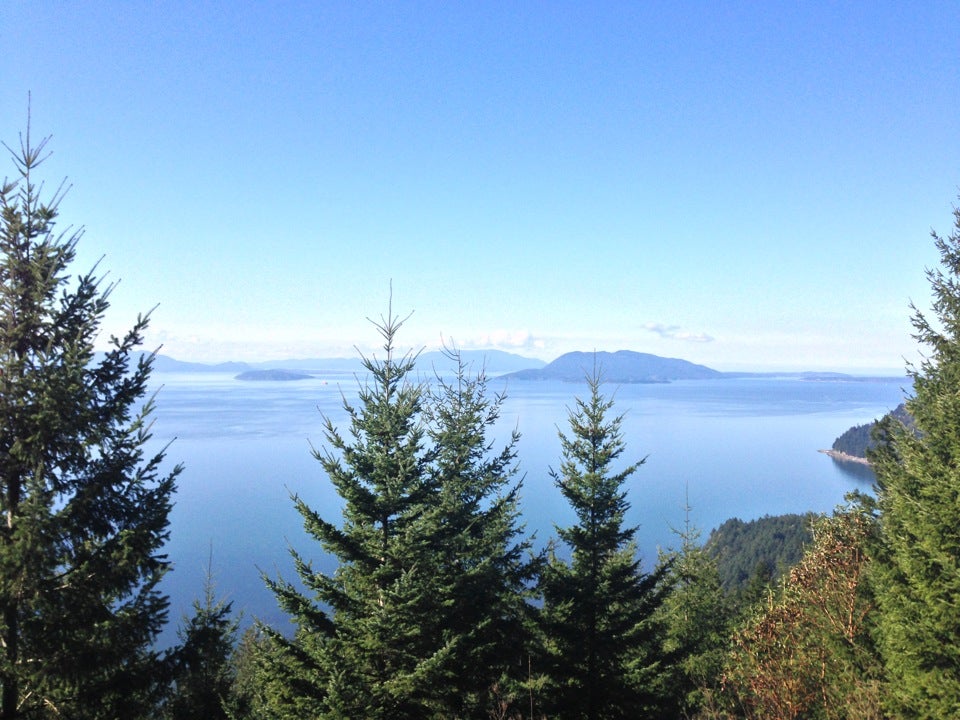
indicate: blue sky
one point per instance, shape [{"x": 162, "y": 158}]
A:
[{"x": 745, "y": 185}]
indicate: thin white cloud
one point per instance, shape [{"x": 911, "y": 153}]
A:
[
  {"x": 250, "y": 344},
  {"x": 510, "y": 340},
  {"x": 675, "y": 332}
]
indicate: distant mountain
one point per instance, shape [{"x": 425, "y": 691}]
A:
[
  {"x": 163, "y": 363},
  {"x": 494, "y": 362},
  {"x": 825, "y": 376},
  {"x": 623, "y": 366}
]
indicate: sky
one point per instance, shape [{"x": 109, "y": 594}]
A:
[{"x": 750, "y": 186}]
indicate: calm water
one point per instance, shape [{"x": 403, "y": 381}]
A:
[{"x": 737, "y": 448}]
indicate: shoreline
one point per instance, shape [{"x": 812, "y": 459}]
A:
[{"x": 844, "y": 457}]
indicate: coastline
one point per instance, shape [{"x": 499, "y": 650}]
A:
[{"x": 844, "y": 457}]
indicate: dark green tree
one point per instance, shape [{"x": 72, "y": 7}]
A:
[
  {"x": 85, "y": 513},
  {"x": 600, "y": 634},
  {"x": 697, "y": 619},
  {"x": 203, "y": 672},
  {"x": 483, "y": 566},
  {"x": 253, "y": 680},
  {"x": 427, "y": 609},
  {"x": 918, "y": 481},
  {"x": 360, "y": 649}
]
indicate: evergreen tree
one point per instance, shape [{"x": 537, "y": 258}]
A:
[
  {"x": 482, "y": 566},
  {"x": 359, "y": 649},
  {"x": 203, "y": 674},
  {"x": 697, "y": 622},
  {"x": 918, "y": 576},
  {"x": 598, "y": 607},
  {"x": 253, "y": 681},
  {"x": 427, "y": 608},
  {"x": 85, "y": 514}
]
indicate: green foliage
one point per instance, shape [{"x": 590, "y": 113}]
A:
[
  {"x": 425, "y": 612},
  {"x": 918, "y": 578},
  {"x": 203, "y": 675},
  {"x": 856, "y": 441},
  {"x": 254, "y": 681},
  {"x": 482, "y": 567},
  {"x": 807, "y": 652},
  {"x": 751, "y": 555},
  {"x": 85, "y": 514},
  {"x": 366, "y": 656},
  {"x": 599, "y": 608},
  {"x": 860, "y": 440},
  {"x": 697, "y": 619}
]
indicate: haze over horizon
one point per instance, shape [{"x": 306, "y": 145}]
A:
[
  {"x": 494, "y": 365},
  {"x": 747, "y": 188}
]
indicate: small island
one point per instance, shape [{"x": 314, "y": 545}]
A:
[{"x": 273, "y": 375}]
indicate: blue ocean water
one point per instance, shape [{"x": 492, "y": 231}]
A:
[{"x": 731, "y": 448}]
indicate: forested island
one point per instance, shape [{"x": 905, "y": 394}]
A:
[{"x": 273, "y": 375}]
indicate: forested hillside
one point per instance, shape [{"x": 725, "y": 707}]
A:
[
  {"x": 859, "y": 440},
  {"x": 758, "y": 551}
]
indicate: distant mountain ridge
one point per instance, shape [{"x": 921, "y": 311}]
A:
[
  {"x": 494, "y": 362},
  {"x": 623, "y": 366}
]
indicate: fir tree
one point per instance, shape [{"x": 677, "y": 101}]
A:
[
  {"x": 598, "y": 607},
  {"x": 203, "y": 674},
  {"x": 359, "y": 649},
  {"x": 85, "y": 513},
  {"x": 696, "y": 617},
  {"x": 482, "y": 566},
  {"x": 918, "y": 576},
  {"x": 249, "y": 669}
]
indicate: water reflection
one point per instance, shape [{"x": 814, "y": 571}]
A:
[{"x": 861, "y": 472}]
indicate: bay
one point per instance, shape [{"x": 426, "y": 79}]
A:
[{"x": 744, "y": 447}]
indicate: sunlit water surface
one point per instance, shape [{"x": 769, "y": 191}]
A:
[{"x": 735, "y": 447}]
